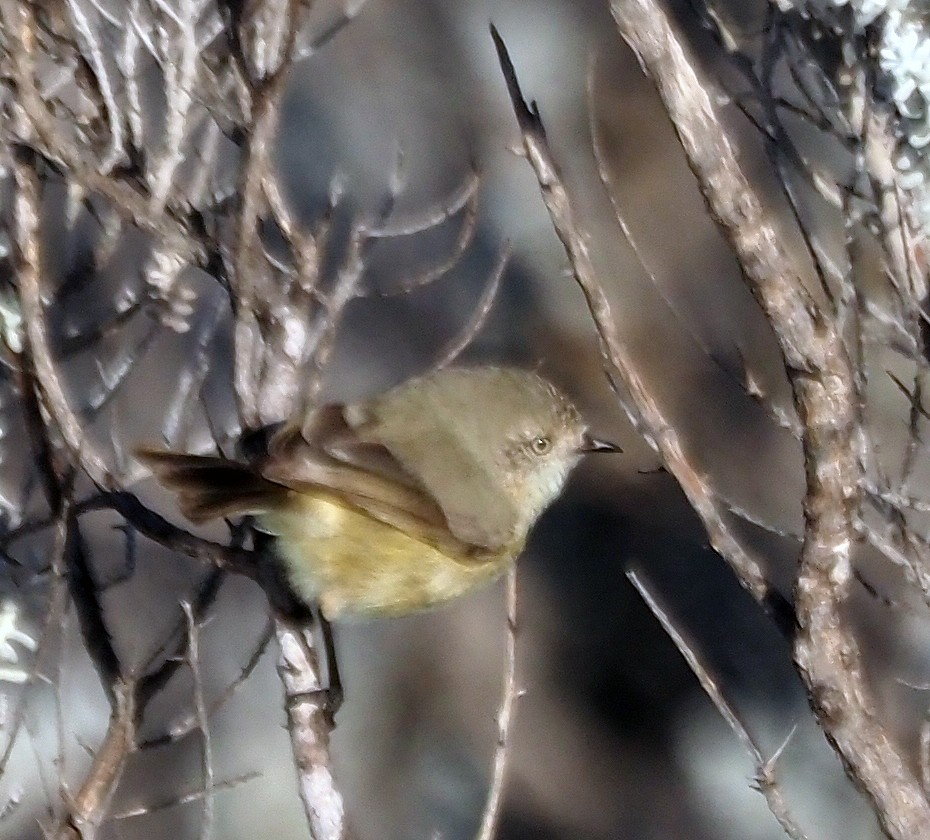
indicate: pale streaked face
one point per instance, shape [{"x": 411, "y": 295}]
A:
[{"x": 537, "y": 460}]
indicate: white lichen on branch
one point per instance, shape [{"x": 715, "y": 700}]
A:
[{"x": 888, "y": 42}]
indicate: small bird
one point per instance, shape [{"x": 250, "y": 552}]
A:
[{"x": 401, "y": 502}]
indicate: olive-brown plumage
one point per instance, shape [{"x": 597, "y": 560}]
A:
[{"x": 402, "y": 501}]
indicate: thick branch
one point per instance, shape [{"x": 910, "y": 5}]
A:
[
  {"x": 309, "y": 722},
  {"x": 822, "y": 380}
]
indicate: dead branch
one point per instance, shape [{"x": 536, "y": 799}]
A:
[
  {"x": 825, "y": 395},
  {"x": 765, "y": 779},
  {"x": 183, "y": 798},
  {"x": 620, "y": 366},
  {"x": 460, "y": 342},
  {"x": 490, "y": 819},
  {"x": 90, "y": 805},
  {"x": 200, "y": 715},
  {"x": 29, "y": 272},
  {"x": 185, "y": 727},
  {"x": 309, "y": 722}
]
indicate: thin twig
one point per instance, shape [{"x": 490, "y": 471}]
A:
[
  {"x": 182, "y": 729},
  {"x": 460, "y": 342},
  {"x": 203, "y": 724},
  {"x": 621, "y": 367},
  {"x": 490, "y": 819},
  {"x": 765, "y": 777},
  {"x": 785, "y": 418},
  {"x": 55, "y": 606},
  {"x": 183, "y": 798}
]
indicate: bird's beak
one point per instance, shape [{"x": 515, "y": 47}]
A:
[{"x": 593, "y": 444}]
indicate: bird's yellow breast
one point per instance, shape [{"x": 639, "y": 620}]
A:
[{"x": 354, "y": 564}]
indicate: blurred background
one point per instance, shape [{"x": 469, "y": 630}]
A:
[{"x": 613, "y": 737}]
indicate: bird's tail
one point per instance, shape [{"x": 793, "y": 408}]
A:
[{"x": 210, "y": 487}]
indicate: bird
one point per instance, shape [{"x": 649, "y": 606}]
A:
[{"x": 400, "y": 502}]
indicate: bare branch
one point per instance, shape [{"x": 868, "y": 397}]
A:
[
  {"x": 184, "y": 798},
  {"x": 433, "y": 273},
  {"x": 492, "y": 808},
  {"x": 90, "y": 805},
  {"x": 765, "y": 768},
  {"x": 306, "y": 702},
  {"x": 622, "y": 370},
  {"x": 246, "y": 273},
  {"x": 55, "y": 607},
  {"x": 150, "y": 524},
  {"x": 200, "y": 714},
  {"x": 29, "y": 268},
  {"x": 40, "y": 132},
  {"x": 185, "y": 727},
  {"x": 92, "y": 50},
  {"x": 463, "y": 197},
  {"x": 824, "y": 389},
  {"x": 180, "y": 67},
  {"x": 94, "y": 630},
  {"x": 786, "y": 418},
  {"x": 459, "y": 343}
]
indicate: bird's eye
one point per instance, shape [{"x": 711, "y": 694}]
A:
[{"x": 540, "y": 445}]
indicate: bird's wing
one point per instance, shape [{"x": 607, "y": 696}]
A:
[
  {"x": 329, "y": 455},
  {"x": 453, "y": 468}
]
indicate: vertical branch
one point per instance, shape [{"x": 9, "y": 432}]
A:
[
  {"x": 309, "y": 721},
  {"x": 201, "y": 716},
  {"x": 92, "y": 49},
  {"x": 246, "y": 274},
  {"x": 29, "y": 266},
  {"x": 492, "y": 809},
  {"x": 180, "y": 81},
  {"x": 55, "y": 607},
  {"x": 823, "y": 384}
]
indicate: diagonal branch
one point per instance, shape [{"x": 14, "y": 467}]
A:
[
  {"x": 620, "y": 365},
  {"x": 90, "y": 805},
  {"x": 765, "y": 780},
  {"x": 823, "y": 384}
]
